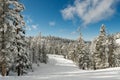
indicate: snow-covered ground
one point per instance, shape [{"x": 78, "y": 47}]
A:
[{"x": 59, "y": 68}]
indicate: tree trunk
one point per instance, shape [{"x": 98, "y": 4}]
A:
[
  {"x": 3, "y": 71},
  {"x": 18, "y": 70}
]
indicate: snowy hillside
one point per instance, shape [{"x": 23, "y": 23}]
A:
[{"x": 59, "y": 68}]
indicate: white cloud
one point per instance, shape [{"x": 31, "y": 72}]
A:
[
  {"x": 89, "y": 11},
  {"x": 52, "y": 23},
  {"x": 27, "y": 19},
  {"x": 28, "y": 28},
  {"x": 34, "y": 26},
  {"x": 68, "y": 13},
  {"x": 30, "y": 25}
]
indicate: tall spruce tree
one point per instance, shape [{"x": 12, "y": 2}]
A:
[
  {"x": 100, "y": 54},
  {"x": 9, "y": 20},
  {"x": 80, "y": 52},
  {"x": 15, "y": 18},
  {"x": 111, "y": 51}
]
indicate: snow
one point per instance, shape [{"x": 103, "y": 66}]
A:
[
  {"x": 118, "y": 41},
  {"x": 59, "y": 68}
]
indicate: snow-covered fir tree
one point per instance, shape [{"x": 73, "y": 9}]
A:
[
  {"x": 82, "y": 54},
  {"x": 8, "y": 18},
  {"x": 21, "y": 55},
  {"x": 111, "y": 51},
  {"x": 14, "y": 52},
  {"x": 3, "y": 26},
  {"x": 38, "y": 49},
  {"x": 44, "y": 57},
  {"x": 100, "y": 54},
  {"x": 71, "y": 51}
]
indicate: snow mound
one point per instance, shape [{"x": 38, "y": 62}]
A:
[{"x": 118, "y": 41}]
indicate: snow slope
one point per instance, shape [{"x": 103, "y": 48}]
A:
[{"x": 59, "y": 68}]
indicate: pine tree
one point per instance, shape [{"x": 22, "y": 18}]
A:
[
  {"x": 21, "y": 56},
  {"x": 82, "y": 54},
  {"x": 39, "y": 47},
  {"x": 8, "y": 20},
  {"x": 43, "y": 54},
  {"x": 35, "y": 50},
  {"x": 111, "y": 51},
  {"x": 116, "y": 57},
  {"x": 71, "y": 51},
  {"x": 100, "y": 54}
]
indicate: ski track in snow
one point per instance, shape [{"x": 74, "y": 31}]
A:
[{"x": 59, "y": 68}]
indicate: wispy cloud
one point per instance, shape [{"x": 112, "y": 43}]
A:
[
  {"x": 30, "y": 25},
  {"x": 28, "y": 28},
  {"x": 29, "y": 20},
  {"x": 52, "y": 23},
  {"x": 34, "y": 26},
  {"x": 89, "y": 11}
]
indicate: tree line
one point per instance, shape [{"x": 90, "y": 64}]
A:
[{"x": 103, "y": 52}]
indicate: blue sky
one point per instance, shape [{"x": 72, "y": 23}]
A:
[{"x": 62, "y": 18}]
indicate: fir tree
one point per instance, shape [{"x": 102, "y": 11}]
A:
[
  {"x": 81, "y": 53},
  {"x": 111, "y": 51},
  {"x": 100, "y": 54},
  {"x": 21, "y": 55},
  {"x": 8, "y": 19}
]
